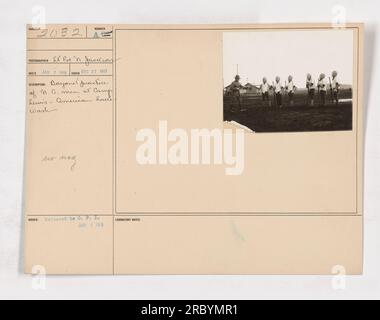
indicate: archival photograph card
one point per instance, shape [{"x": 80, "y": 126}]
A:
[{"x": 194, "y": 149}]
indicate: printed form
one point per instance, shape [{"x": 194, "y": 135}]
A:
[{"x": 152, "y": 150}]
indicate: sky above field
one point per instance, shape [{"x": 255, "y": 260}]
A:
[{"x": 284, "y": 53}]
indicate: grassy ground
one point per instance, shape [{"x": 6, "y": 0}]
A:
[{"x": 294, "y": 118}]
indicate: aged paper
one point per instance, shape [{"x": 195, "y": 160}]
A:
[{"x": 162, "y": 149}]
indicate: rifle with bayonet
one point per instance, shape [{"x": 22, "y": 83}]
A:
[{"x": 331, "y": 91}]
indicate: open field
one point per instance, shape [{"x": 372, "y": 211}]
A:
[
  {"x": 300, "y": 98},
  {"x": 294, "y": 119},
  {"x": 299, "y": 117}
]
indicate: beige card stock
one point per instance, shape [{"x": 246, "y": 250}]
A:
[{"x": 145, "y": 155}]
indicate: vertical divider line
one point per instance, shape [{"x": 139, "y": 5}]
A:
[{"x": 113, "y": 149}]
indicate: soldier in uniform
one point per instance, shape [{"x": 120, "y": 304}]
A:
[
  {"x": 277, "y": 90},
  {"x": 290, "y": 87},
  {"x": 310, "y": 85},
  {"x": 265, "y": 92},
  {"x": 335, "y": 87},
  {"x": 322, "y": 88},
  {"x": 235, "y": 88}
]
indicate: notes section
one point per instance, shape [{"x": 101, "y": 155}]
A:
[
  {"x": 69, "y": 244},
  {"x": 69, "y": 147},
  {"x": 69, "y": 120}
]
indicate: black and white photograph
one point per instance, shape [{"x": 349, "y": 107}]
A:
[{"x": 289, "y": 80}]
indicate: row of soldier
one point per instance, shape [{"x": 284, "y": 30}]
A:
[{"x": 278, "y": 90}]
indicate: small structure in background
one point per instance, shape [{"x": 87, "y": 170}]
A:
[
  {"x": 248, "y": 88},
  {"x": 251, "y": 88}
]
